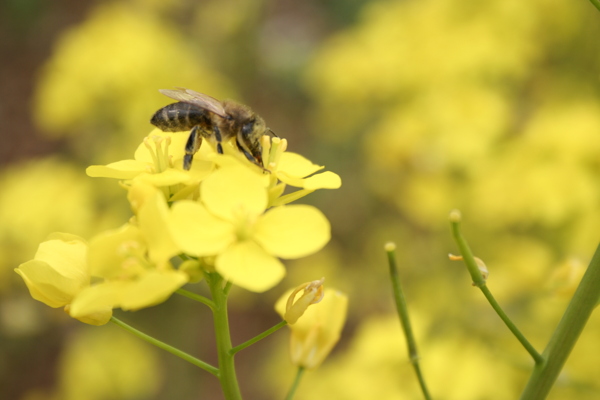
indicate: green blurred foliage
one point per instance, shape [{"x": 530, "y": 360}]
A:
[{"x": 420, "y": 106}]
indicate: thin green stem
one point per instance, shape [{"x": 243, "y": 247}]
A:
[
  {"x": 567, "y": 332},
  {"x": 596, "y": 4},
  {"x": 539, "y": 359},
  {"x": 181, "y": 354},
  {"x": 295, "y": 384},
  {"x": 479, "y": 281},
  {"x": 227, "y": 375},
  {"x": 404, "y": 318},
  {"x": 197, "y": 297},
  {"x": 258, "y": 337}
]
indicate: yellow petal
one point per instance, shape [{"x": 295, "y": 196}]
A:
[
  {"x": 168, "y": 177},
  {"x": 247, "y": 265},
  {"x": 138, "y": 193},
  {"x": 325, "y": 180},
  {"x": 318, "y": 330},
  {"x": 59, "y": 270},
  {"x": 97, "y": 299},
  {"x": 68, "y": 258},
  {"x": 153, "y": 219},
  {"x": 97, "y": 319},
  {"x": 47, "y": 285},
  {"x": 292, "y": 231},
  {"x": 108, "y": 250},
  {"x": 152, "y": 288},
  {"x": 126, "y": 169},
  {"x": 234, "y": 191},
  {"x": 294, "y": 165},
  {"x": 197, "y": 232}
]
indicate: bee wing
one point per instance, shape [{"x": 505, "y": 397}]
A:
[{"x": 199, "y": 99}]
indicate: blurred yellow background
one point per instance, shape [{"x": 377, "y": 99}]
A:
[{"x": 420, "y": 106}]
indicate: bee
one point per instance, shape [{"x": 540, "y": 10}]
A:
[{"x": 213, "y": 120}]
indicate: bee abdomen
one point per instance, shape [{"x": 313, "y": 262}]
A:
[{"x": 179, "y": 117}]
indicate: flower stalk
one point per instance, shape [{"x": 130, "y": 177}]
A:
[
  {"x": 258, "y": 337},
  {"x": 566, "y": 334},
  {"x": 197, "y": 297},
  {"x": 227, "y": 375},
  {"x": 296, "y": 383},
  {"x": 404, "y": 318},
  {"x": 162, "y": 345},
  {"x": 480, "y": 282}
]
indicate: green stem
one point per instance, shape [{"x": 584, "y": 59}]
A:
[
  {"x": 539, "y": 359},
  {"x": 197, "y": 297},
  {"x": 181, "y": 354},
  {"x": 294, "y": 387},
  {"x": 596, "y": 4},
  {"x": 567, "y": 332},
  {"x": 227, "y": 288},
  {"x": 258, "y": 337},
  {"x": 227, "y": 374},
  {"x": 479, "y": 281},
  {"x": 404, "y": 318}
]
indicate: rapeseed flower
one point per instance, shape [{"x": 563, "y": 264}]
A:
[
  {"x": 157, "y": 162},
  {"x": 230, "y": 223}
]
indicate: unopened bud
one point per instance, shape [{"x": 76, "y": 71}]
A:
[{"x": 313, "y": 293}]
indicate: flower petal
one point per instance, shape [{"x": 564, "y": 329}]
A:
[
  {"x": 234, "y": 190},
  {"x": 318, "y": 330},
  {"x": 97, "y": 299},
  {"x": 197, "y": 232},
  {"x": 168, "y": 177},
  {"x": 125, "y": 169},
  {"x": 294, "y": 165},
  {"x": 153, "y": 219},
  {"x": 247, "y": 265},
  {"x": 325, "y": 180},
  {"x": 292, "y": 231},
  {"x": 152, "y": 288},
  {"x": 46, "y": 284},
  {"x": 109, "y": 249},
  {"x": 67, "y": 257}
]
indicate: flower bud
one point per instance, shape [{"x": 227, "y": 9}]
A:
[
  {"x": 313, "y": 293},
  {"x": 316, "y": 332},
  {"x": 59, "y": 272}
]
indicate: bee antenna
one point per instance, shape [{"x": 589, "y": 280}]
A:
[{"x": 272, "y": 132}]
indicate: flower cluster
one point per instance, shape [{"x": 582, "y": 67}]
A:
[{"x": 224, "y": 215}]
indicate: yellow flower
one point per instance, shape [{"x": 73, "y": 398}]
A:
[
  {"x": 134, "y": 262},
  {"x": 59, "y": 272},
  {"x": 316, "y": 332},
  {"x": 158, "y": 161},
  {"x": 230, "y": 223},
  {"x": 293, "y": 169},
  {"x": 284, "y": 169}
]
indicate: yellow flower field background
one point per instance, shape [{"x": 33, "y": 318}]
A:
[{"x": 420, "y": 106}]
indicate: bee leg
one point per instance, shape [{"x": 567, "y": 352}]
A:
[
  {"x": 218, "y": 137},
  {"x": 191, "y": 147}
]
